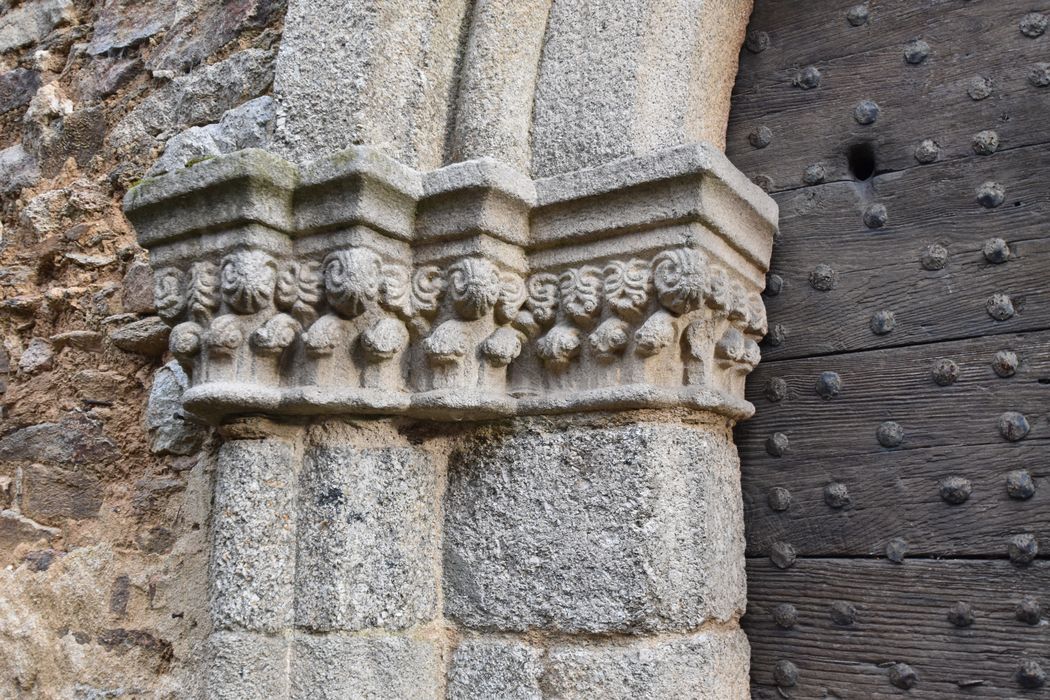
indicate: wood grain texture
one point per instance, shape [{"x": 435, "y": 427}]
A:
[
  {"x": 898, "y": 495},
  {"x": 924, "y": 101},
  {"x": 955, "y": 552},
  {"x": 881, "y": 269},
  {"x": 901, "y": 617},
  {"x": 895, "y": 384}
]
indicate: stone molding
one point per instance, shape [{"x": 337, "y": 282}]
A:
[{"x": 356, "y": 285}]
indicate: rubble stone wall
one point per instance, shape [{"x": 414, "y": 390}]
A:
[{"x": 104, "y": 510}]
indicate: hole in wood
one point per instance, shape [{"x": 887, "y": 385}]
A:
[{"x": 861, "y": 158}]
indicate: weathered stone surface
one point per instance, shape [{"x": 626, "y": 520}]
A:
[
  {"x": 147, "y": 336},
  {"x": 50, "y": 494},
  {"x": 171, "y": 431},
  {"x": 31, "y": 21},
  {"x": 253, "y": 561},
  {"x": 6, "y": 492},
  {"x": 99, "y": 385},
  {"x": 212, "y": 24},
  {"x": 156, "y": 540},
  {"x": 40, "y": 559},
  {"x": 246, "y": 126},
  {"x": 367, "y": 537},
  {"x": 88, "y": 654},
  {"x": 706, "y": 666},
  {"x": 64, "y": 245},
  {"x": 590, "y": 529},
  {"x": 137, "y": 293},
  {"x": 119, "y": 595},
  {"x": 122, "y": 24},
  {"x": 587, "y": 84},
  {"x": 78, "y": 135},
  {"x": 74, "y": 441},
  {"x": 42, "y": 121},
  {"x": 89, "y": 262},
  {"x": 104, "y": 76},
  {"x": 88, "y": 341},
  {"x": 200, "y": 97},
  {"x": 373, "y": 666},
  {"x": 495, "y": 668},
  {"x": 38, "y": 357},
  {"x": 17, "y": 88},
  {"x": 122, "y": 640},
  {"x": 242, "y": 665},
  {"x": 376, "y": 72},
  {"x": 151, "y": 491},
  {"x": 619, "y": 79},
  {"x": 15, "y": 530},
  {"x": 18, "y": 169},
  {"x": 55, "y": 211},
  {"x": 500, "y": 66}
]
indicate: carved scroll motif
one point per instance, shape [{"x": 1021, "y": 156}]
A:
[{"x": 356, "y": 319}]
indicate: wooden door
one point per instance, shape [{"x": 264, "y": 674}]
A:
[{"x": 897, "y": 472}]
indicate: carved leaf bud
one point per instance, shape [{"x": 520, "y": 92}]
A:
[
  {"x": 248, "y": 279},
  {"x": 730, "y": 346},
  {"x": 656, "y": 333},
  {"x": 168, "y": 294},
  {"x": 275, "y": 335},
  {"x": 185, "y": 341},
  {"x": 680, "y": 276},
  {"x": 609, "y": 339},
  {"x": 559, "y": 346},
  {"x": 752, "y": 353},
  {"x": 322, "y": 337},
  {"x": 224, "y": 335},
  {"x": 474, "y": 287},
  {"x": 384, "y": 339},
  {"x": 447, "y": 344},
  {"x": 502, "y": 347}
]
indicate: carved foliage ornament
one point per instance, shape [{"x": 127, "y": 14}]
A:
[{"x": 458, "y": 323}]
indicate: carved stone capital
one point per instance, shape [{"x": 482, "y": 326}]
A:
[{"x": 358, "y": 285}]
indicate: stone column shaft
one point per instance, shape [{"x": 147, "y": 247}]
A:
[
  {"x": 598, "y": 556},
  {"x": 325, "y": 564}
]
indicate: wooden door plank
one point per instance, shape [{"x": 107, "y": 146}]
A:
[
  {"x": 895, "y": 492},
  {"x": 883, "y": 270},
  {"x": 967, "y": 40},
  {"x": 899, "y": 495},
  {"x": 895, "y": 384},
  {"x": 901, "y": 617}
]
